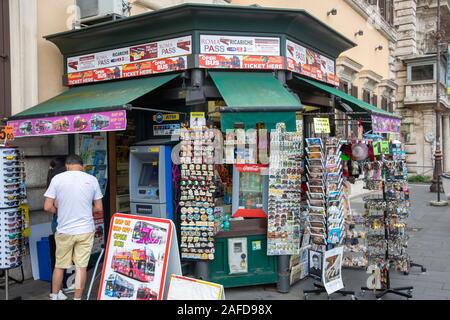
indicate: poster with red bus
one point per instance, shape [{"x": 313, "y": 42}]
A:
[{"x": 140, "y": 257}]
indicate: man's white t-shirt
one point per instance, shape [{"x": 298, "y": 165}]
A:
[{"x": 74, "y": 192}]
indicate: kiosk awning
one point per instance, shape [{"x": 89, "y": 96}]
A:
[
  {"x": 255, "y": 97},
  {"x": 356, "y": 104},
  {"x": 89, "y": 108}
]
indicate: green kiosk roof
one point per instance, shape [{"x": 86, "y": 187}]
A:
[
  {"x": 255, "y": 97},
  {"x": 355, "y": 103},
  {"x": 94, "y": 97}
]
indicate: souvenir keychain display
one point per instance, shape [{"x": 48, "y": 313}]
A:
[
  {"x": 285, "y": 170},
  {"x": 13, "y": 194},
  {"x": 197, "y": 188},
  {"x": 386, "y": 216}
]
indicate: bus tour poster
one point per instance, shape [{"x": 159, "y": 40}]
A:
[{"x": 136, "y": 258}]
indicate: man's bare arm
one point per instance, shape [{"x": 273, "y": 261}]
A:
[
  {"x": 98, "y": 206},
  {"x": 49, "y": 205}
]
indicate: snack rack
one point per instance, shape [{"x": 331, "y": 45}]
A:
[{"x": 12, "y": 195}]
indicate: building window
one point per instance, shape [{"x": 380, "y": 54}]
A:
[
  {"x": 384, "y": 103},
  {"x": 366, "y": 96},
  {"x": 421, "y": 72},
  {"x": 386, "y": 8},
  {"x": 344, "y": 86}
]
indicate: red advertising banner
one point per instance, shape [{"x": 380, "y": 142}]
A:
[
  {"x": 128, "y": 70},
  {"x": 310, "y": 63},
  {"x": 241, "y": 62}
]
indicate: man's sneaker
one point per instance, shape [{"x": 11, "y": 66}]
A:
[
  {"x": 71, "y": 289},
  {"x": 58, "y": 296}
]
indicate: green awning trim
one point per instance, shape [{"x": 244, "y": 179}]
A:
[
  {"x": 252, "y": 89},
  {"x": 250, "y": 119},
  {"x": 93, "y": 97},
  {"x": 356, "y": 104}
]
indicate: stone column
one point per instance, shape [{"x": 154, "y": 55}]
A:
[
  {"x": 446, "y": 141},
  {"x": 429, "y": 127}
]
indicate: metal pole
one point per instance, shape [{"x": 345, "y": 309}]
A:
[
  {"x": 436, "y": 185},
  {"x": 6, "y": 284}
]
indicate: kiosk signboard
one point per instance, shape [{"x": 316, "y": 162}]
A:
[
  {"x": 79, "y": 123},
  {"x": 141, "y": 254},
  {"x": 140, "y": 60},
  {"x": 237, "y": 52},
  {"x": 310, "y": 63}
]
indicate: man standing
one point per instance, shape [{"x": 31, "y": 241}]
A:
[{"x": 76, "y": 195}]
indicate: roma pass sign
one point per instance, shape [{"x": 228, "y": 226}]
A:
[
  {"x": 310, "y": 63},
  {"x": 382, "y": 124},
  {"x": 237, "y": 45},
  {"x": 80, "y": 123},
  {"x": 236, "y": 52},
  {"x": 135, "y": 61},
  {"x": 183, "y": 288},
  {"x": 141, "y": 254}
]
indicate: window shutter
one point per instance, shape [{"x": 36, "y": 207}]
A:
[
  {"x": 375, "y": 100},
  {"x": 355, "y": 91}
]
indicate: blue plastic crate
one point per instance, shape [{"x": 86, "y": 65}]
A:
[{"x": 44, "y": 261}]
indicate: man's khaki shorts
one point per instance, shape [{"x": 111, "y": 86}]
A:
[{"x": 73, "y": 248}]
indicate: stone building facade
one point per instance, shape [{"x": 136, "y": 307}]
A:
[{"x": 415, "y": 68}]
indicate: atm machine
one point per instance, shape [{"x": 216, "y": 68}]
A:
[{"x": 151, "y": 179}]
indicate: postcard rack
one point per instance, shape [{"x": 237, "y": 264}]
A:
[{"x": 325, "y": 199}]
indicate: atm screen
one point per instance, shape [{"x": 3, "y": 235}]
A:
[{"x": 149, "y": 175}]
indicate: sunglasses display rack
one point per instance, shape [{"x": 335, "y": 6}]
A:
[
  {"x": 285, "y": 175},
  {"x": 197, "y": 190},
  {"x": 12, "y": 193},
  {"x": 386, "y": 214}
]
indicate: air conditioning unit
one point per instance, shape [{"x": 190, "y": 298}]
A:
[{"x": 92, "y": 11}]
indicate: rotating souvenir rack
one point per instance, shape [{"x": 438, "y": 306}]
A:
[
  {"x": 12, "y": 195},
  {"x": 386, "y": 216},
  {"x": 325, "y": 198},
  {"x": 285, "y": 172},
  {"x": 197, "y": 188}
]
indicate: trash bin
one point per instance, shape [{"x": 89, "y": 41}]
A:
[{"x": 446, "y": 184}]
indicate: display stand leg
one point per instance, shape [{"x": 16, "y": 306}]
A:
[
  {"x": 321, "y": 289},
  {"x": 283, "y": 284},
  {"x": 94, "y": 274},
  {"x": 6, "y": 285},
  {"x": 202, "y": 270},
  {"x": 412, "y": 264}
]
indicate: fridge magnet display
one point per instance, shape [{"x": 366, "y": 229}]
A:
[
  {"x": 315, "y": 264},
  {"x": 184, "y": 288},
  {"x": 332, "y": 270},
  {"x": 140, "y": 253},
  {"x": 237, "y": 255}
]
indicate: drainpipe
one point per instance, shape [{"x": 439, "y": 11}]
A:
[{"x": 284, "y": 283}]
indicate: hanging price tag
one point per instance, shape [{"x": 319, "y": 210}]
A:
[
  {"x": 322, "y": 125},
  {"x": 380, "y": 147},
  {"x": 6, "y": 133}
]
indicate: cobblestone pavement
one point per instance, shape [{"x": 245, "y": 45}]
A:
[{"x": 429, "y": 244}]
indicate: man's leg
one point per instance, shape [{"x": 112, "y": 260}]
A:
[
  {"x": 57, "y": 279},
  {"x": 80, "y": 282},
  {"x": 81, "y": 255}
]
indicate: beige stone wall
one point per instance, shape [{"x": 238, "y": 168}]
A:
[{"x": 348, "y": 22}]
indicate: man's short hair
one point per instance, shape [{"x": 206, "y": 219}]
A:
[
  {"x": 315, "y": 256},
  {"x": 74, "y": 159}
]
